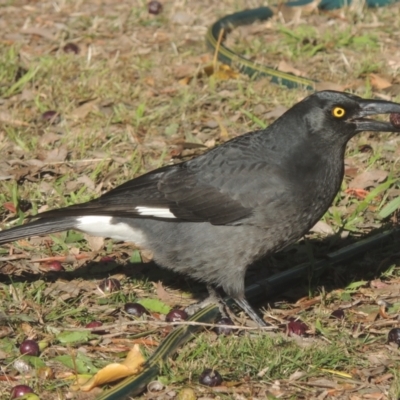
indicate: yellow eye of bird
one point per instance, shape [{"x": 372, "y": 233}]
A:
[{"x": 338, "y": 112}]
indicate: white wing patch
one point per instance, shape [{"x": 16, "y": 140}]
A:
[
  {"x": 155, "y": 212},
  {"x": 104, "y": 226}
]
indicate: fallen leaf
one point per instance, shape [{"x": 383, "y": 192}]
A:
[
  {"x": 155, "y": 305},
  {"x": 286, "y": 67},
  {"x": 293, "y": 14},
  {"x": 132, "y": 365},
  {"x": 82, "y": 111},
  {"x": 49, "y": 138},
  {"x": 182, "y": 18},
  {"x": 163, "y": 295},
  {"x": 46, "y": 33},
  {"x": 96, "y": 243},
  {"x": 184, "y": 71},
  {"x": 323, "y": 228},
  {"x": 378, "y": 82},
  {"x": 221, "y": 72},
  {"x": 276, "y": 112},
  {"x": 10, "y": 207},
  {"x": 86, "y": 181},
  {"x": 329, "y": 86},
  {"x": 368, "y": 179},
  {"x": 56, "y": 155},
  {"x": 6, "y": 118}
]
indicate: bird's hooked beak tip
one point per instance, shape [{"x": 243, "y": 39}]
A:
[{"x": 376, "y": 107}]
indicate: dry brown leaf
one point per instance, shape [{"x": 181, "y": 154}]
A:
[
  {"x": 276, "y": 112},
  {"x": 182, "y": 18},
  {"x": 82, "y": 111},
  {"x": 6, "y": 118},
  {"x": 377, "y": 82},
  {"x": 39, "y": 32},
  {"x": 10, "y": 207},
  {"x": 329, "y": 86},
  {"x": 378, "y": 284},
  {"x": 86, "y": 181},
  {"x": 49, "y": 138},
  {"x": 96, "y": 243},
  {"x": 5, "y": 172},
  {"x": 56, "y": 155},
  {"x": 293, "y": 14},
  {"x": 286, "y": 67},
  {"x": 323, "y": 228},
  {"x": 163, "y": 295},
  {"x": 368, "y": 179},
  {"x": 184, "y": 71}
]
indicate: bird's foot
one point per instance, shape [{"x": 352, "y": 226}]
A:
[
  {"x": 213, "y": 298},
  {"x": 246, "y": 307}
]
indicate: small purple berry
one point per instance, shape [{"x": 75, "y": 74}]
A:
[
  {"x": 394, "y": 336},
  {"x": 221, "y": 330},
  {"x": 24, "y": 205},
  {"x": 95, "y": 324},
  {"x": 154, "y": 7},
  {"x": 395, "y": 119},
  {"x": 210, "y": 377},
  {"x": 29, "y": 347},
  {"x": 110, "y": 285},
  {"x": 52, "y": 117},
  {"x": 135, "y": 309},
  {"x": 176, "y": 315},
  {"x": 71, "y": 48},
  {"x": 54, "y": 266},
  {"x": 339, "y": 314},
  {"x": 20, "y": 390},
  {"x": 297, "y": 327}
]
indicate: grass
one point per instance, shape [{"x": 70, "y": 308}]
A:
[{"x": 134, "y": 99}]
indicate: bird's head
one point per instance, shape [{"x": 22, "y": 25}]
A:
[{"x": 339, "y": 116}]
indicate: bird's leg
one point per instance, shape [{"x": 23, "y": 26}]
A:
[
  {"x": 246, "y": 307},
  {"x": 213, "y": 298}
]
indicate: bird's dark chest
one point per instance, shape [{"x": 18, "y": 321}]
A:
[
  {"x": 315, "y": 181},
  {"x": 308, "y": 183}
]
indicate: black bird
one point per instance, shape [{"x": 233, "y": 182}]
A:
[{"x": 212, "y": 216}]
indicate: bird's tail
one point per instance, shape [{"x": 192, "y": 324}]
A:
[{"x": 41, "y": 226}]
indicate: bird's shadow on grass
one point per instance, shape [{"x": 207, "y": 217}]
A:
[{"x": 365, "y": 266}]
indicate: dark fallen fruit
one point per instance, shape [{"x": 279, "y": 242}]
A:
[
  {"x": 19, "y": 391},
  {"x": 110, "y": 285},
  {"x": 366, "y": 148},
  {"x": 24, "y": 205},
  {"x": 154, "y": 7},
  {"x": 54, "y": 266},
  {"x": 135, "y": 309},
  {"x": 395, "y": 119},
  {"x": 394, "y": 336},
  {"x": 29, "y": 347},
  {"x": 71, "y": 48},
  {"x": 210, "y": 377},
  {"x": 296, "y": 327},
  {"x": 176, "y": 315},
  {"x": 107, "y": 259},
  {"x": 95, "y": 324},
  {"x": 222, "y": 330},
  {"x": 52, "y": 117},
  {"x": 339, "y": 314}
]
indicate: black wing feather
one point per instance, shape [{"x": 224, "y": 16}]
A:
[{"x": 213, "y": 187}]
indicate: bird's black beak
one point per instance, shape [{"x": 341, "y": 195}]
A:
[{"x": 374, "y": 107}]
